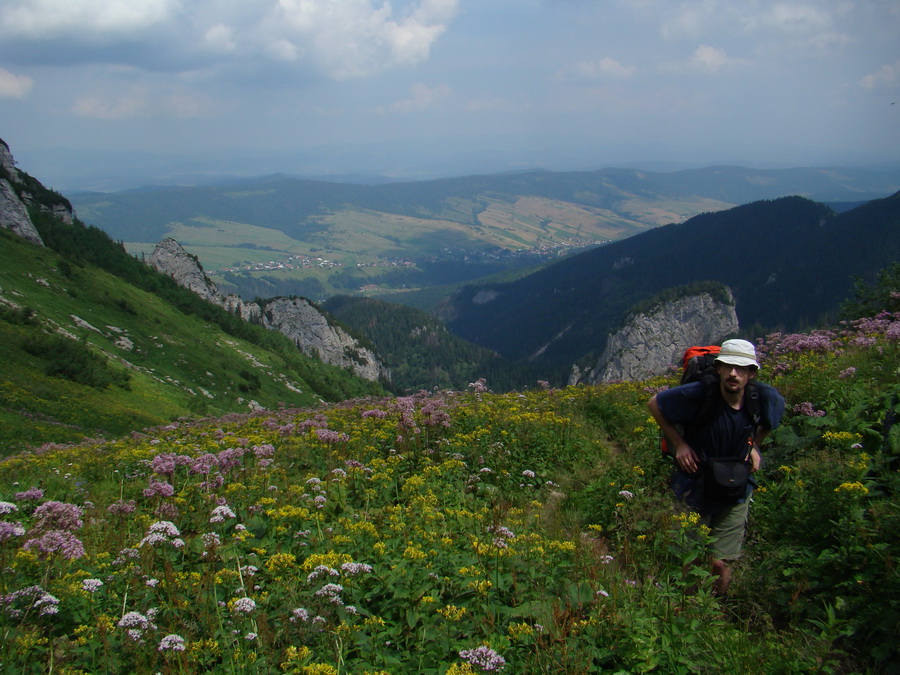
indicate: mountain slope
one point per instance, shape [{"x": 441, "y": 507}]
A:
[
  {"x": 788, "y": 261},
  {"x": 140, "y": 360}
]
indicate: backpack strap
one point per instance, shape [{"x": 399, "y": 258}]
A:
[{"x": 753, "y": 403}]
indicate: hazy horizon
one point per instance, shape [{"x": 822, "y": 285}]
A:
[{"x": 426, "y": 88}]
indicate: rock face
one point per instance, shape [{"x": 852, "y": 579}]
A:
[
  {"x": 13, "y": 210},
  {"x": 295, "y": 317},
  {"x": 650, "y": 343},
  {"x": 171, "y": 259}
]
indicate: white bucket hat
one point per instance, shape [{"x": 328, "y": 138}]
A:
[{"x": 737, "y": 353}]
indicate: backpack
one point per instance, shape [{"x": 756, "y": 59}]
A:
[{"x": 699, "y": 365}]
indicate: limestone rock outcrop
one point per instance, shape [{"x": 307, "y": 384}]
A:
[
  {"x": 13, "y": 210},
  {"x": 170, "y": 258},
  {"x": 296, "y": 318},
  {"x": 650, "y": 343}
]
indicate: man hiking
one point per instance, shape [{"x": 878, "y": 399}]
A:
[{"x": 714, "y": 428}]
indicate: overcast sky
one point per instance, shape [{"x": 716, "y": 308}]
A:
[{"x": 517, "y": 83}]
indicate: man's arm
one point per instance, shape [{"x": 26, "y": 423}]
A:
[{"x": 685, "y": 456}]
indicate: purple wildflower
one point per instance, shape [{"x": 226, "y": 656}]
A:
[
  {"x": 204, "y": 464},
  {"x": 220, "y": 513},
  {"x": 354, "y": 568},
  {"x": 52, "y": 542},
  {"x": 172, "y": 642},
  {"x": 330, "y": 436},
  {"x": 165, "y": 463},
  {"x": 230, "y": 458},
  {"x": 243, "y": 606},
  {"x": 299, "y": 614},
  {"x": 332, "y": 593},
  {"x": 7, "y": 508},
  {"x": 158, "y": 488},
  {"x": 266, "y": 450},
  {"x": 57, "y": 516},
  {"x": 122, "y": 508},
  {"x": 10, "y": 530},
  {"x": 211, "y": 540},
  {"x": 46, "y": 604},
  {"x": 162, "y": 532},
  {"x": 484, "y": 658},
  {"x": 136, "y": 623},
  {"x": 434, "y": 414},
  {"x": 808, "y": 409},
  {"x": 91, "y": 585},
  {"x": 322, "y": 571},
  {"x": 32, "y": 494},
  {"x": 479, "y": 386}
]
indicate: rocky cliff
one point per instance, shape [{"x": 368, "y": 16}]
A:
[
  {"x": 653, "y": 341},
  {"x": 297, "y": 318},
  {"x": 13, "y": 209}
]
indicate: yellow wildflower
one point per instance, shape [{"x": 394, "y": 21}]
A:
[
  {"x": 855, "y": 486},
  {"x": 330, "y": 559},
  {"x": 319, "y": 669},
  {"x": 517, "y": 631},
  {"x": 452, "y": 612},
  {"x": 281, "y": 562},
  {"x": 414, "y": 553}
]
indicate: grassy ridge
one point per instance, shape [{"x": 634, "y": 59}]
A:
[
  {"x": 159, "y": 362},
  {"x": 463, "y": 533}
]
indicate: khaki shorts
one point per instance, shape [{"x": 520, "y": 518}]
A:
[{"x": 727, "y": 528}]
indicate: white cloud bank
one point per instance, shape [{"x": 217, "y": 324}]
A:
[{"x": 340, "y": 38}]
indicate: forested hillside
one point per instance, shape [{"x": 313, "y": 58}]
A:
[
  {"x": 422, "y": 353},
  {"x": 790, "y": 263}
]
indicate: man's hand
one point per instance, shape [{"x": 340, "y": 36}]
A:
[
  {"x": 687, "y": 459},
  {"x": 755, "y": 459}
]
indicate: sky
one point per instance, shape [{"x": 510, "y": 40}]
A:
[{"x": 419, "y": 88}]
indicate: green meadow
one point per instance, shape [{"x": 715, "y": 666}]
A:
[{"x": 463, "y": 532}]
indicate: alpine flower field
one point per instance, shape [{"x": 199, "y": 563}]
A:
[{"x": 463, "y": 532}]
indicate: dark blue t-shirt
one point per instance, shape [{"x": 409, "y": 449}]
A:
[{"x": 726, "y": 431}]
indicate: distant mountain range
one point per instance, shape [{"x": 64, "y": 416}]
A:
[{"x": 280, "y": 235}]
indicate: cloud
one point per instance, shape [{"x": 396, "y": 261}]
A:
[
  {"x": 788, "y": 22},
  {"x": 14, "y": 86},
  {"x": 886, "y": 77},
  {"x": 220, "y": 38},
  {"x": 42, "y": 19},
  {"x": 793, "y": 17},
  {"x": 708, "y": 58},
  {"x": 341, "y": 38},
  {"x": 143, "y": 102},
  {"x": 421, "y": 98},
  {"x": 133, "y": 104},
  {"x": 356, "y": 38},
  {"x": 592, "y": 70}
]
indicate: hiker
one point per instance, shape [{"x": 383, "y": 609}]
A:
[{"x": 714, "y": 428}]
